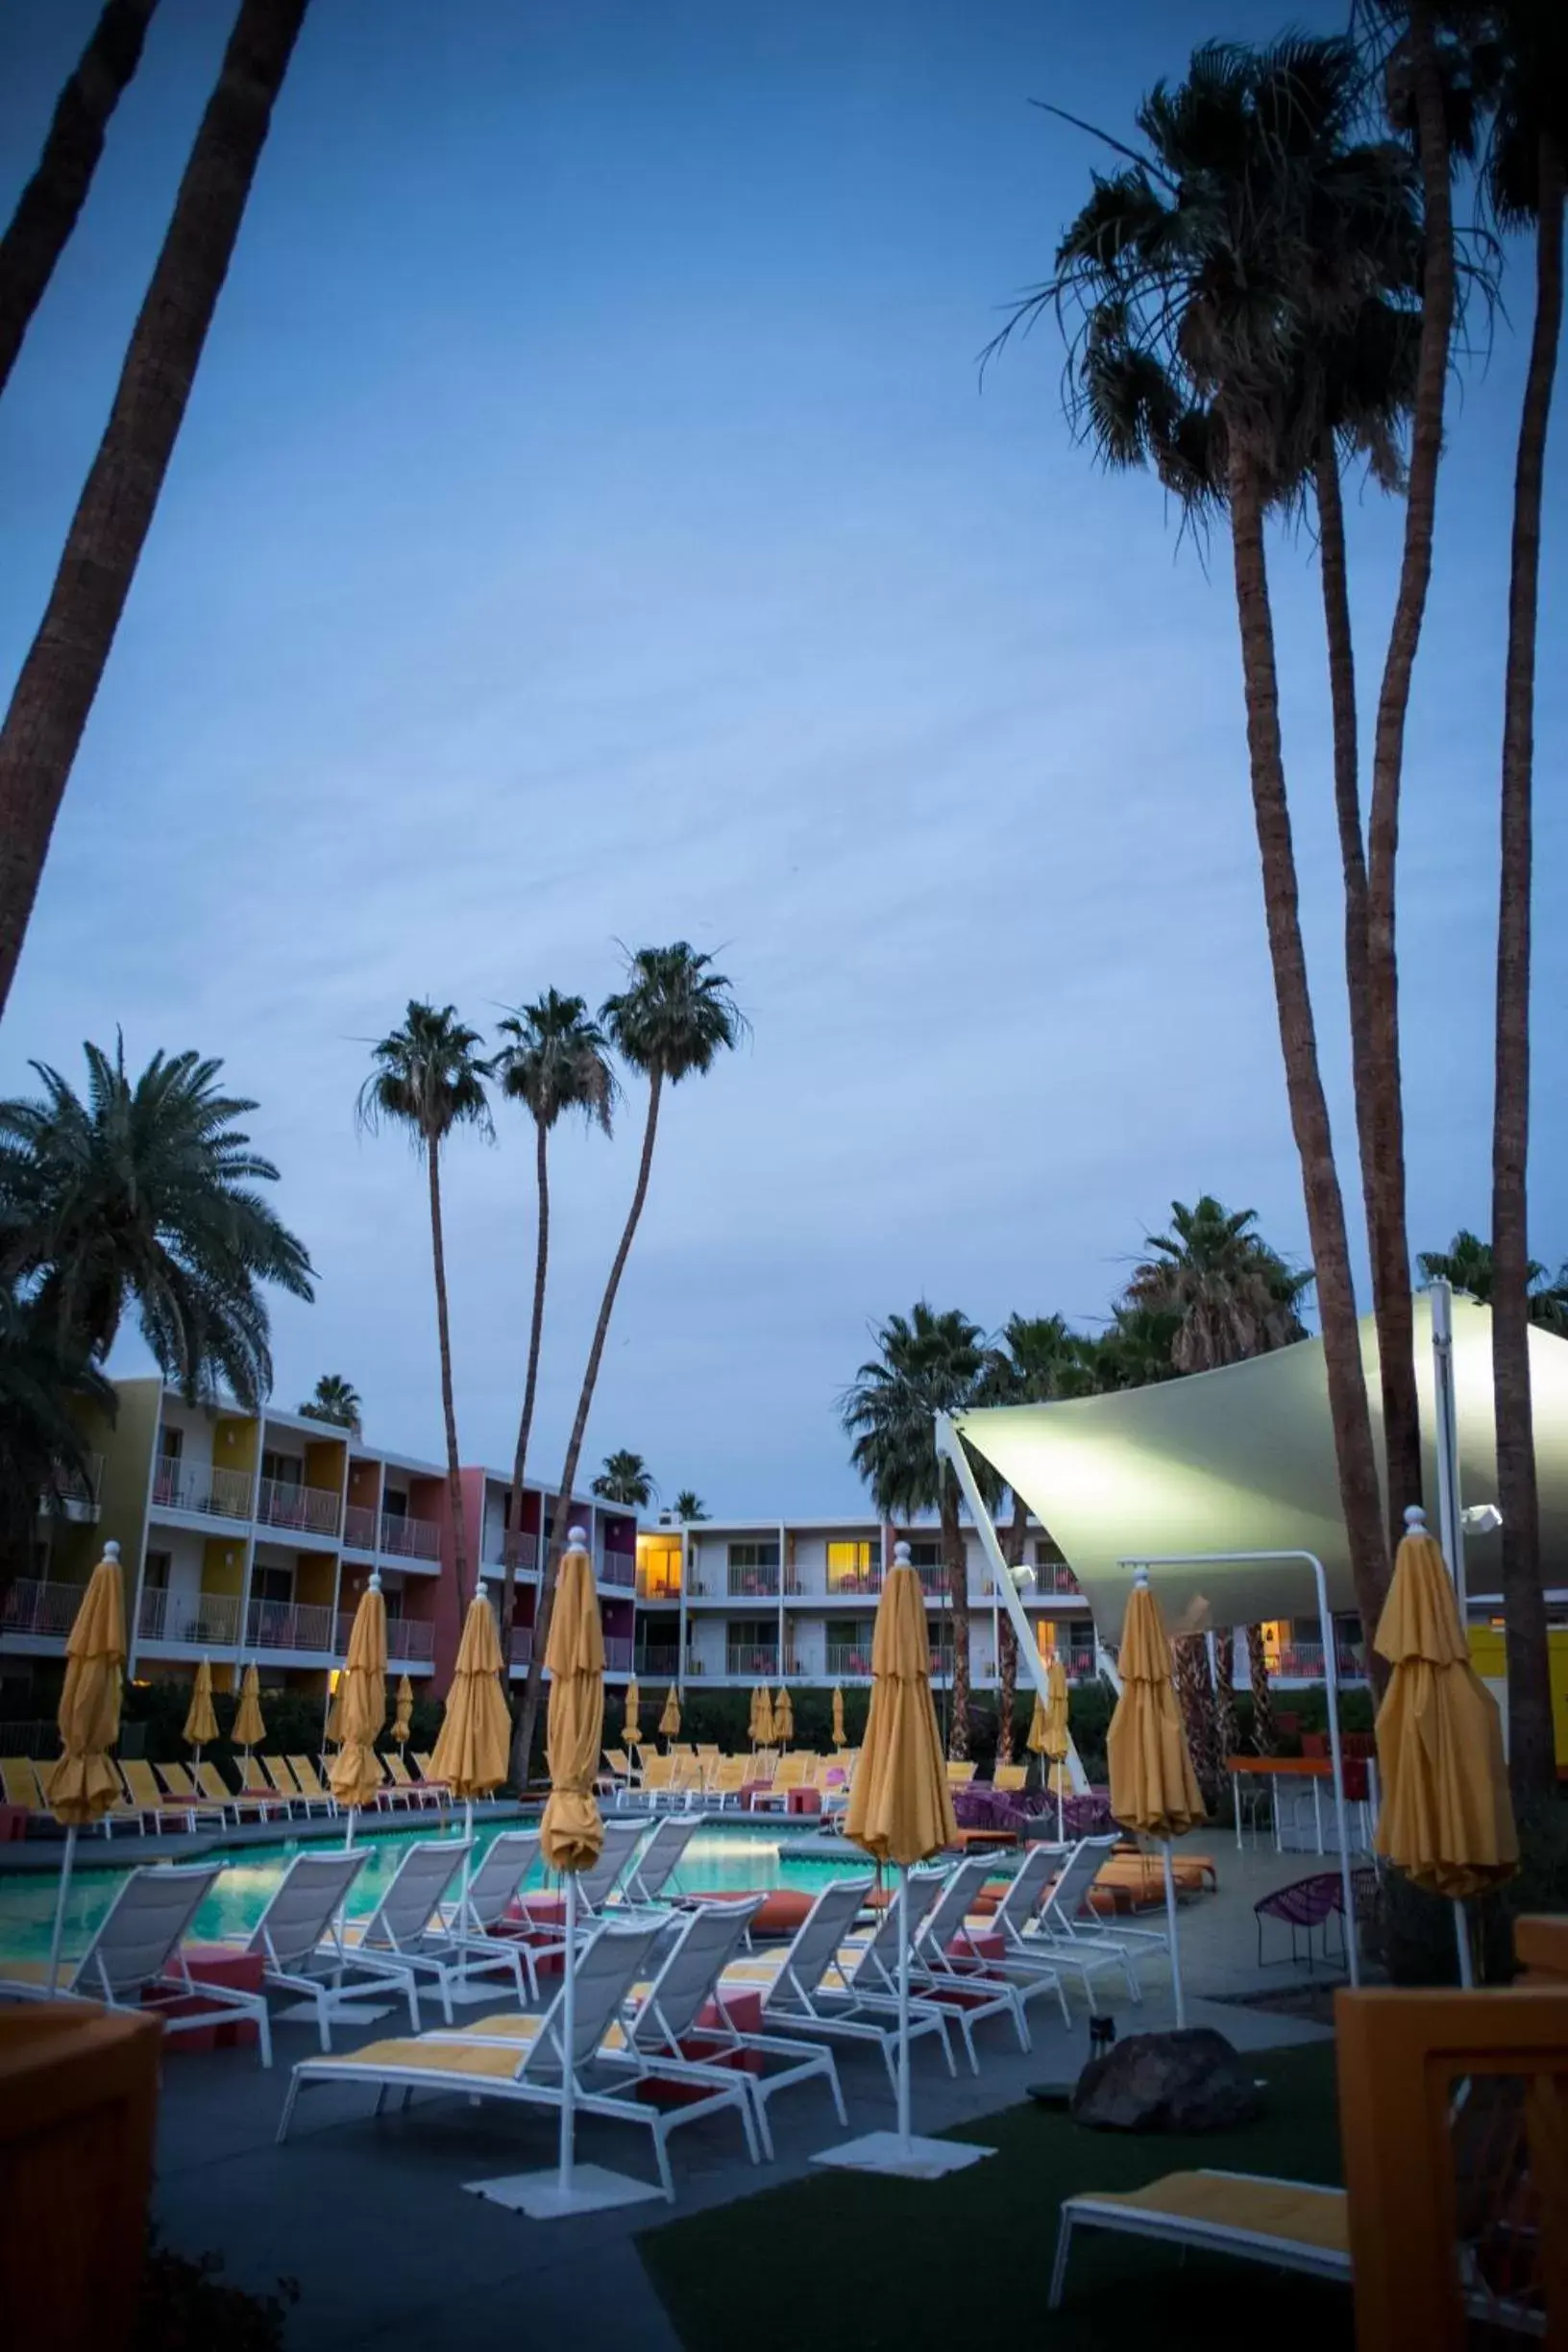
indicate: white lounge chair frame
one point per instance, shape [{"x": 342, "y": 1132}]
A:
[
  {"x": 300, "y": 1935},
  {"x": 1089, "y": 2212}
]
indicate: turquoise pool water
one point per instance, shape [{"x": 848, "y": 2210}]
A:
[{"x": 721, "y": 1856}]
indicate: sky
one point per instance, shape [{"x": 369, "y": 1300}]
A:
[{"x": 590, "y": 529}]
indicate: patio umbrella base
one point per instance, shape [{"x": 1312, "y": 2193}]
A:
[
  {"x": 913, "y": 2159},
  {"x": 541, "y": 2196}
]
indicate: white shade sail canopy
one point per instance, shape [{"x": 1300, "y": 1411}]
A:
[{"x": 1241, "y": 1459}]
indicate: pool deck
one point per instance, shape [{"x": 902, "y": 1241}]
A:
[{"x": 372, "y": 2219}]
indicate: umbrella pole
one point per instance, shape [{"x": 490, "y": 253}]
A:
[
  {"x": 1061, "y": 1834},
  {"x": 60, "y": 1909},
  {"x": 904, "y": 2129},
  {"x": 1462, "y": 1936},
  {"x": 468, "y": 1858},
  {"x": 1170, "y": 1922},
  {"x": 568, "y": 2036},
  {"x": 348, "y": 1834}
]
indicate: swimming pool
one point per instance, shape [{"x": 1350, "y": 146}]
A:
[{"x": 722, "y": 1855}]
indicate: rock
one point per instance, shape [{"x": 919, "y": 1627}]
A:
[{"x": 1191, "y": 2081}]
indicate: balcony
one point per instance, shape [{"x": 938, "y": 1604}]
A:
[
  {"x": 290, "y": 1625},
  {"x": 751, "y": 1584},
  {"x": 851, "y": 1583},
  {"x": 848, "y": 1664},
  {"x": 941, "y": 1667},
  {"x": 34, "y": 1605},
  {"x": 617, "y": 1569},
  {"x": 1054, "y": 1581},
  {"x": 359, "y": 1528},
  {"x": 409, "y": 1640},
  {"x": 73, "y": 1494},
  {"x": 659, "y": 1660},
  {"x": 1303, "y": 1662},
  {"x": 307, "y": 1510},
  {"x": 518, "y": 1551},
  {"x": 521, "y": 1645},
  {"x": 618, "y": 1647},
  {"x": 206, "y": 1621},
  {"x": 406, "y": 1538},
  {"x": 197, "y": 1487},
  {"x": 756, "y": 1661},
  {"x": 659, "y": 1585}
]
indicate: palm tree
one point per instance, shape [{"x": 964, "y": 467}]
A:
[
  {"x": 1468, "y": 1265},
  {"x": 625, "y": 1479},
  {"x": 47, "y": 210},
  {"x": 429, "y": 1078},
  {"x": 1230, "y": 1295},
  {"x": 43, "y": 1372},
  {"x": 141, "y": 1191},
  {"x": 689, "y": 1507},
  {"x": 673, "y": 1021},
  {"x": 1188, "y": 267},
  {"x": 333, "y": 1399},
  {"x": 1038, "y": 1354},
  {"x": 65, "y": 666},
  {"x": 554, "y": 1059},
  {"x": 1526, "y": 163},
  {"x": 1265, "y": 1737},
  {"x": 1134, "y": 1351},
  {"x": 926, "y": 1364}
]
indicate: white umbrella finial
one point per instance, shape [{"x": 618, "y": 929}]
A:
[
  {"x": 577, "y": 1538},
  {"x": 111, "y": 1549},
  {"x": 900, "y": 1556},
  {"x": 1415, "y": 1519}
]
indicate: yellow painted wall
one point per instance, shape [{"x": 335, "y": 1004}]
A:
[
  {"x": 324, "y": 1461},
  {"x": 315, "y": 1577},
  {"x": 365, "y": 1484},
  {"x": 127, "y": 1449},
  {"x": 1486, "y": 1657},
  {"x": 223, "y": 1564},
  {"x": 236, "y": 1439}
]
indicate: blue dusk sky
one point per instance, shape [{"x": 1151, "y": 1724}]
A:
[{"x": 589, "y": 527}]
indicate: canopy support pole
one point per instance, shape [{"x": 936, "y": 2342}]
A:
[
  {"x": 950, "y": 1447},
  {"x": 1449, "y": 1500}
]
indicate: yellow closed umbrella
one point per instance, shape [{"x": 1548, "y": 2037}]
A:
[
  {"x": 670, "y": 1719},
  {"x": 403, "y": 1720},
  {"x": 841, "y": 1737},
  {"x": 1446, "y": 1820},
  {"x": 200, "y": 1727},
  {"x": 1056, "y": 1740},
  {"x": 783, "y": 1719},
  {"x": 471, "y": 1752},
  {"x": 83, "y": 1784},
  {"x": 762, "y": 1718},
  {"x": 631, "y": 1729},
  {"x": 332, "y": 1733},
  {"x": 1154, "y": 1789},
  {"x": 249, "y": 1729},
  {"x": 361, "y": 1706},
  {"x": 901, "y": 1812}
]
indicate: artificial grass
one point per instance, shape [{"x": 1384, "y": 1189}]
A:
[{"x": 846, "y": 2258}]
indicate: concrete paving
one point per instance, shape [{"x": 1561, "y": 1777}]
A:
[{"x": 371, "y": 2217}]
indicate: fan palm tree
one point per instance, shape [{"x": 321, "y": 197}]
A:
[
  {"x": 926, "y": 1364},
  {"x": 1469, "y": 1265},
  {"x": 1038, "y": 1355},
  {"x": 1188, "y": 268},
  {"x": 671, "y": 1021},
  {"x": 429, "y": 1078},
  {"x": 689, "y": 1507},
  {"x": 1134, "y": 1351},
  {"x": 43, "y": 1372},
  {"x": 66, "y": 664},
  {"x": 141, "y": 1192},
  {"x": 333, "y": 1399},
  {"x": 47, "y": 210},
  {"x": 625, "y": 1480},
  {"x": 1526, "y": 166},
  {"x": 1230, "y": 1295},
  {"x": 554, "y": 1059}
]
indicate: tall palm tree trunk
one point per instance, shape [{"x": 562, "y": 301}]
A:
[
  {"x": 1225, "y": 1728},
  {"x": 448, "y": 1409},
  {"x": 523, "y": 1745},
  {"x": 49, "y": 205},
  {"x": 1195, "y": 1691},
  {"x": 60, "y": 677},
  {"x": 1388, "y": 1236},
  {"x": 1007, "y": 1640},
  {"x": 1532, "y": 1753},
  {"x": 1347, "y": 807},
  {"x": 524, "y": 1427},
  {"x": 1348, "y": 1412},
  {"x": 1265, "y": 1737},
  {"x": 958, "y": 1600}
]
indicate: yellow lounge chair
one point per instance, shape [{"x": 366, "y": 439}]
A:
[
  {"x": 178, "y": 1785},
  {"x": 311, "y": 1784},
  {"x": 148, "y": 1798},
  {"x": 282, "y": 1781},
  {"x": 19, "y": 1785},
  {"x": 244, "y": 1803},
  {"x": 417, "y": 1792},
  {"x": 254, "y": 1782},
  {"x": 1295, "y": 2225},
  {"x": 959, "y": 1775},
  {"x": 1010, "y": 1777}
]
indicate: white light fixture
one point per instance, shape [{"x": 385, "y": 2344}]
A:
[{"x": 1480, "y": 1519}]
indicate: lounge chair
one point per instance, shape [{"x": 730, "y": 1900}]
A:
[
  {"x": 423, "y": 1792},
  {"x": 1024, "y": 1961},
  {"x": 245, "y": 1804},
  {"x": 430, "y": 1779},
  {"x": 480, "y": 1922},
  {"x": 529, "y": 2067},
  {"x": 1070, "y": 1936},
  {"x": 280, "y": 1780},
  {"x": 597, "y": 1884},
  {"x": 406, "y": 1937},
  {"x": 135, "y": 1960},
  {"x": 655, "y": 1866},
  {"x": 181, "y": 1790},
  {"x": 311, "y": 1787},
  {"x": 615, "y": 1781},
  {"x": 724, "y": 1785},
  {"x": 1295, "y": 2225},
  {"x": 1008, "y": 1779},
  {"x": 149, "y": 1800},
  {"x": 300, "y": 1935},
  {"x": 948, "y": 1970},
  {"x": 959, "y": 1775},
  {"x": 656, "y": 1783},
  {"x": 394, "y": 1794},
  {"x": 805, "y": 1987}
]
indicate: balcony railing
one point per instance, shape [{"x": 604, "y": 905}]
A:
[
  {"x": 409, "y": 1539},
  {"x": 851, "y": 1664},
  {"x": 657, "y": 1660},
  {"x": 1303, "y": 1662},
  {"x": 1054, "y": 1579},
  {"x": 757, "y": 1658},
  {"x": 521, "y": 1646},
  {"x": 359, "y": 1526},
  {"x": 210, "y": 1619},
  {"x": 310, "y": 1510},
  {"x": 522, "y": 1551},
  {"x": 752, "y": 1583},
  {"x": 73, "y": 1494},
  {"x": 941, "y": 1667},
  {"x": 853, "y": 1581},
  {"x": 34, "y": 1605},
  {"x": 617, "y": 1568},
  {"x": 618, "y": 1652},
  {"x": 661, "y": 1586},
  {"x": 408, "y": 1639},
  {"x": 194, "y": 1486},
  {"x": 290, "y": 1625}
]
